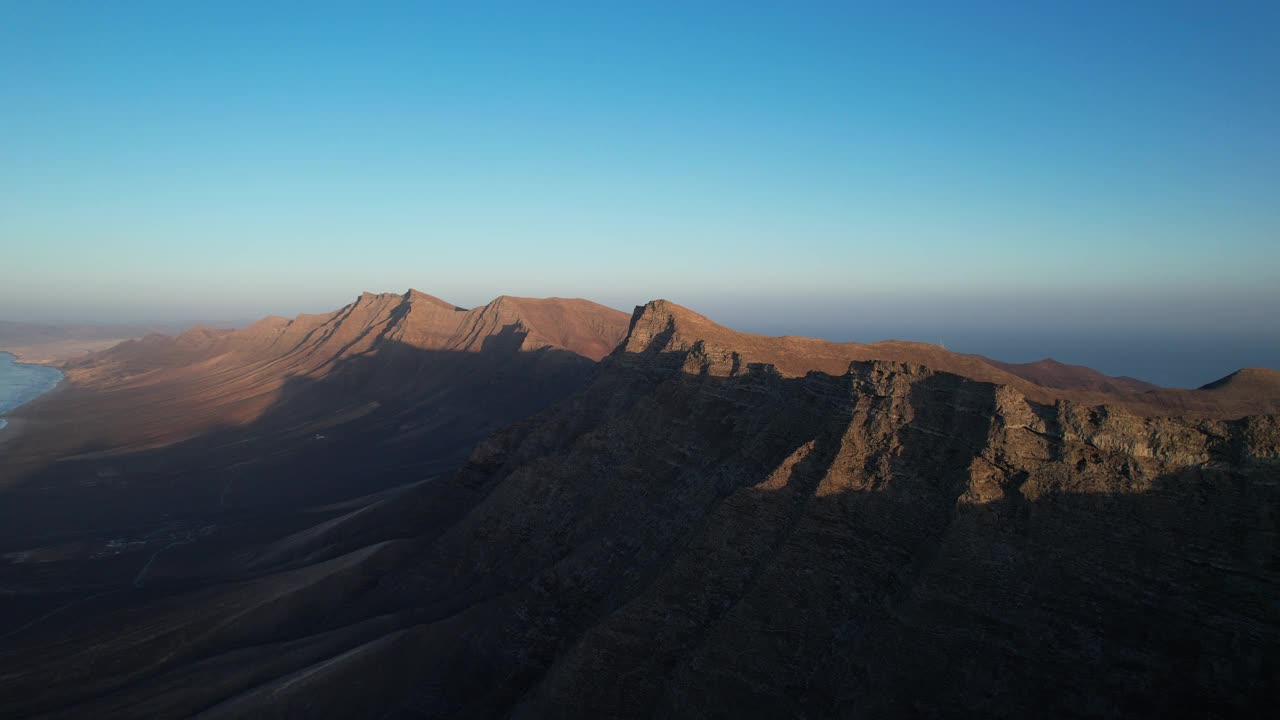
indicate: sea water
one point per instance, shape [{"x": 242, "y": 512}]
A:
[{"x": 21, "y": 383}]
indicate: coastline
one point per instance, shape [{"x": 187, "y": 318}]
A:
[
  {"x": 34, "y": 389},
  {"x": 57, "y": 353},
  {"x": 20, "y": 354}
]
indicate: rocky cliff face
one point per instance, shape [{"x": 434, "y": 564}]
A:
[
  {"x": 721, "y": 525},
  {"x": 696, "y": 534}
]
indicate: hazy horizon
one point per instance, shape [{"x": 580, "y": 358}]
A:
[
  {"x": 1249, "y": 336},
  {"x": 1099, "y": 186}
]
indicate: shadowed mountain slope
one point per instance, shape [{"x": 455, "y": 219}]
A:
[
  {"x": 719, "y": 524},
  {"x": 174, "y": 463}
]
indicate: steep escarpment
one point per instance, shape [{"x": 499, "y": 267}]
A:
[{"x": 719, "y": 524}]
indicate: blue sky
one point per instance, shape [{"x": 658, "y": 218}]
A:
[{"x": 908, "y": 169}]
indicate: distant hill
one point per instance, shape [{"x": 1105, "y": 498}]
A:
[{"x": 1051, "y": 373}]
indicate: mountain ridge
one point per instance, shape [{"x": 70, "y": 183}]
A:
[
  {"x": 664, "y": 325},
  {"x": 710, "y": 527},
  {"x": 704, "y": 523},
  {"x": 414, "y": 318},
  {"x": 398, "y": 369}
]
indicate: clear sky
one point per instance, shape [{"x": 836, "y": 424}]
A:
[{"x": 919, "y": 170}]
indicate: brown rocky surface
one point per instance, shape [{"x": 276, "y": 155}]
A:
[{"x": 722, "y": 525}]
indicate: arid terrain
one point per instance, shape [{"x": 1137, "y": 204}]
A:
[
  {"x": 59, "y": 344},
  {"x": 775, "y": 360},
  {"x": 542, "y": 508}
]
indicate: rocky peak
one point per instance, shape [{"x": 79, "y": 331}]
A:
[{"x": 417, "y": 296}]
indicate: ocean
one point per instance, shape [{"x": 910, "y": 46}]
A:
[{"x": 21, "y": 383}]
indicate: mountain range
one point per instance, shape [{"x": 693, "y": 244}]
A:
[{"x": 546, "y": 508}]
